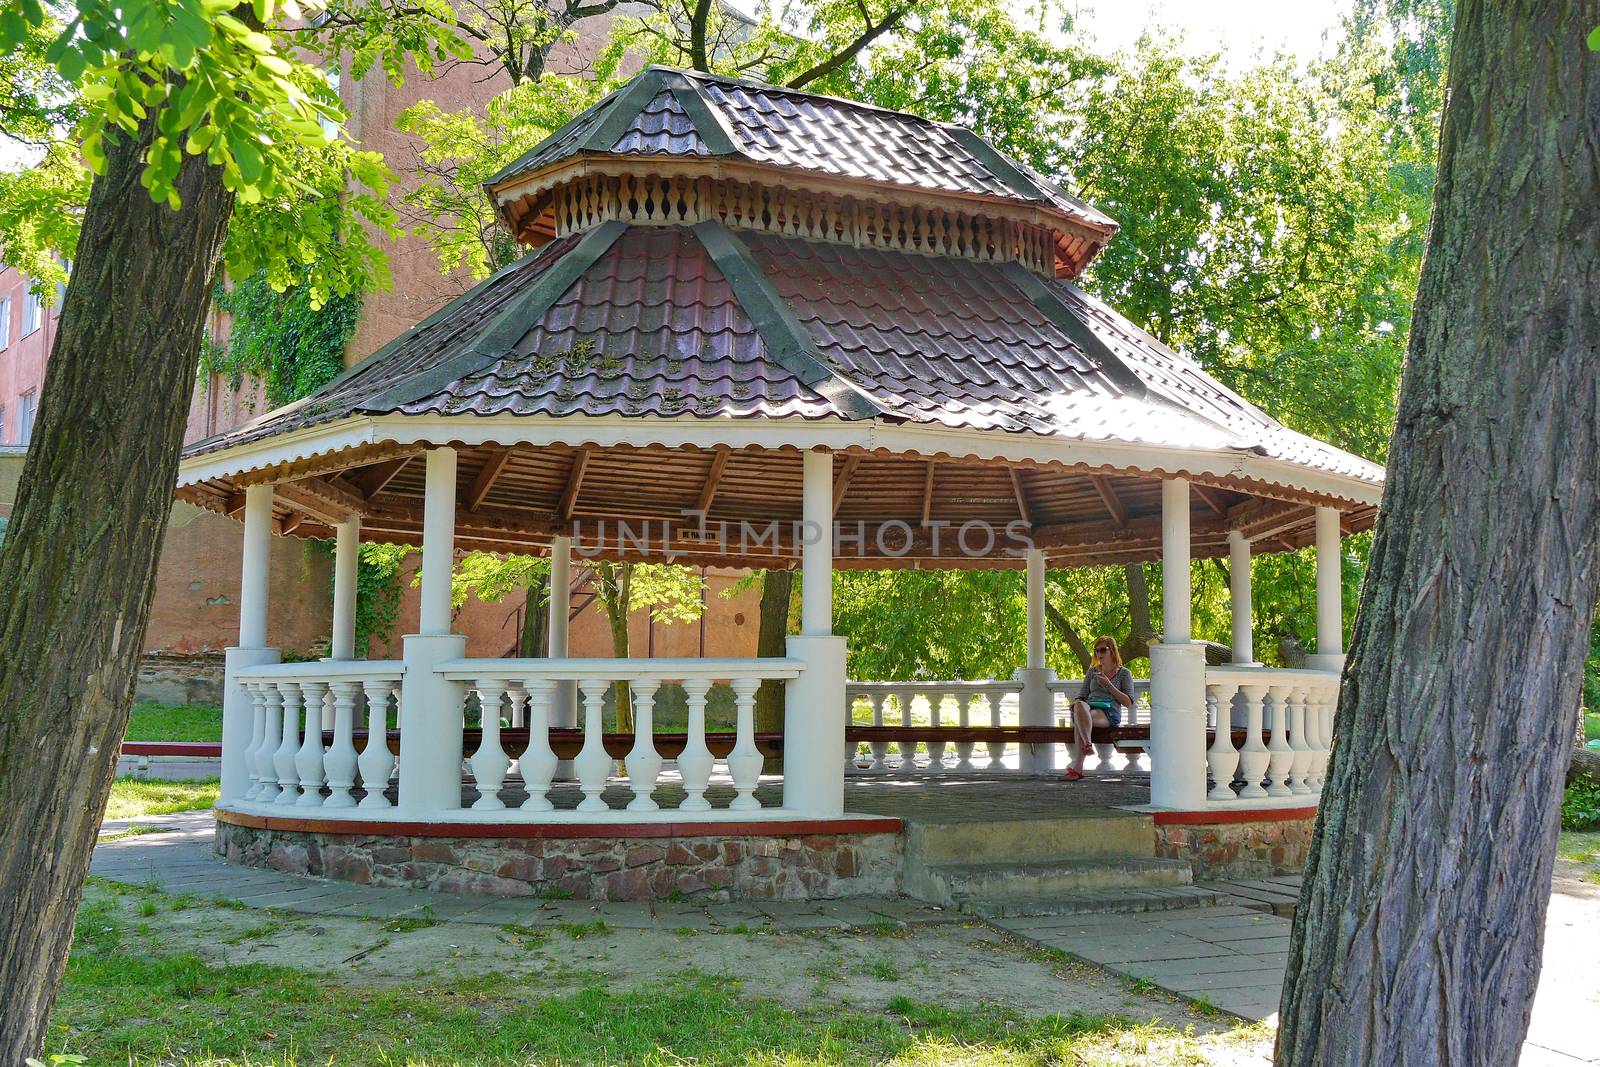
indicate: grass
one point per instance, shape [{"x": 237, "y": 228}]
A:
[
  {"x": 174, "y": 722},
  {"x": 1591, "y": 725},
  {"x": 129, "y": 997},
  {"x": 1581, "y": 849},
  {"x": 132, "y": 797}
]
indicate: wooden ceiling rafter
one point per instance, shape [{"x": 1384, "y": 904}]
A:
[
  {"x": 708, "y": 492},
  {"x": 492, "y": 468},
  {"x": 1108, "y": 496},
  {"x": 841, "y": 481},
  {"x": 569, "y": 496},
  {"x": 927, "y": 491},
  {"x": 1023, "y": 510},
  {"x": 1213, "y": 498}
]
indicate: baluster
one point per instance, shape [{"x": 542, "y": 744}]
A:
[
  {"x": 997, "y": 749},
  {"x": 308, "y": 761},
  {"x": 489, "y": 763},
  {"x": 852, "y": 749},
  {"x": 1323, "y": 702},
  {"x": 1282, "y": 756},
  {"x": 283, "y": 757},
  {"x": 271, "y": 738},
  {"x": 328, "y": 711},
  {"x": 908, "y": 746},
  {"x": 1253, "y": 756},
  {"x": 643, "y": 761},
  {"x": 695, "y": 761},
  {"x": 964, "y": 748},
  {"x": 744, "y": 762},
  {"x": 538, "y": 763},
  {"x": 880, "y": 749},
  {"x": 1222, "y": 759},
  {"x": 935, "y": 748},
  {"x": 376, "y": 762},
  {"x": 258, "y": 725},
  {"x": 519, "y": 706},
  {"x": 593, "y": 765},
  {"x": 1300, "y": 767},
  {"x": 341, "y": 759}
]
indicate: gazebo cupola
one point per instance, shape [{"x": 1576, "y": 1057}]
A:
[
  {"x": 677, "y": 148},
  {"x": 760, "y": 327}
]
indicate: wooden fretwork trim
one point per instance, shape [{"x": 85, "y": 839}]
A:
[
  {"x": 492, "y": 468},
  {"x": 569, "y": 498}
]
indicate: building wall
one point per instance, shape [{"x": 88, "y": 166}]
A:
[{"x": 22, "y": 357}]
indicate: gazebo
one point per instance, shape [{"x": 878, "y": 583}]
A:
[{"x": 755, "y": 327}]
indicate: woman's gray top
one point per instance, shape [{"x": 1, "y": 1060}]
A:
[{"x": 1094, "y": 687}]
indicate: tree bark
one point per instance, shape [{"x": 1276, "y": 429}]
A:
[
  {"x": 534, "y": 641},
  {"x": 79, "y": 560},
  {"x": 612, "y": 581},
  {"x": 1420, "y": 926}
]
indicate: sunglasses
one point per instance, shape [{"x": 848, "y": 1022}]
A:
[{"x": 1102, "y": 652}]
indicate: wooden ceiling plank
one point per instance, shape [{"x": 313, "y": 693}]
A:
[
  {"x": 486, "y": 478},
  {"x": 569, "y": 498},
  {"x": 1108, "y": 497}
]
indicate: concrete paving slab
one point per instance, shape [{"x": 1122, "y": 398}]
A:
[
  {"x": 1268, "y": 978},
  {"x": 1256, "y": 945}
]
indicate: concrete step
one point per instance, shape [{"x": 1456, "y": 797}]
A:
[
  {"x": 993, "y": 883},
  {"x": 1100, "y": 835},
  {"x": 1157, "y": 898}
]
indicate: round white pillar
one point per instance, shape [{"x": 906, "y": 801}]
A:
[
  {"x": 816, "y": 560},
  {"x": 256, "y": 564},
  {"x": 560, "y": 595},
  {"x": 238, "y": 708},
  {"x": 1176, "y": 595},
  {"x": 346, "y": 561},
  {"x": 1035, "y": 558},
  {"x": 1330, "y": 592},
  {"x": 438, "y": 541},
  {"x": 1244, "y": 650}
]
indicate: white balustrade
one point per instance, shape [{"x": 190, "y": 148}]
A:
[
  {"x": 296, "y": 704},
  {"x": 539, "y": 679},
  {"x": 927, "y": 700},
  {"x": 1286, "y": 735},
  {"x": 490, "y": 763}
]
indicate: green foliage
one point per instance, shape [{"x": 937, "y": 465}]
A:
[
  {"x": 280, "y": 339},
  {"x": 1580, "y": 805},
  {"x": 491, "y": 577},
  {"x": 378, "y": 594},
  {"x": 943, "y": 624},
  {"x": 1591, "y": 671},
  {"x": 221, "y": 82}
]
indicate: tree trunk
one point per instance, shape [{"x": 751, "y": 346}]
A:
[
  {"x": 611, "y": 584},
  {"x": 777, "y": 586},
  {"x": 79, "y": 559},
  {"x": 1419, "y": 931},
  {"x": 534, "y": 641},
  {"x": 1064, "y": 627},
  {"x": 1141, "y": 631}
]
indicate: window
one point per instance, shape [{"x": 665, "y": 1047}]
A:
[
  {"x": 30, "y": 313},
  {"x": 5, "y": 323},
  {"x": 25, "y": 416}
]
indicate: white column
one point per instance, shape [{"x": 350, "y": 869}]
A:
[
  {"x": 1330, "y": 594},
  {"x": 816, "y": 560},
  {"x": 1176, "y": 594},
  {"x": 1177, "y": 670},
  {"x": 430, "y": 706},
  {"x": 238, "y": 707},
  {"x": 1244, "y": 650},
  {"x": 815, "y": 710},
  {"x": 346, "y": 560},
  {"x": 1035, "y": 608},
  {"x": 438, "y": 541},
  {"x": 257, "y": 556}
]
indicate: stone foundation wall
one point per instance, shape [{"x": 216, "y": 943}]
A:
[
  {"x": 711, "y": 869},
  {"x": 1238, "y": 849}
]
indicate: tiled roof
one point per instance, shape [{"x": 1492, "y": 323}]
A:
[
  {"x": 673, "y": 112},
  {"x": 666, "y": 321}
]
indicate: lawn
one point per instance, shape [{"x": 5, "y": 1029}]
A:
[
  {"x": 133, "y": 797},
  {"x": 174, "y": 722},
  {"x": 158, "y": 979}
]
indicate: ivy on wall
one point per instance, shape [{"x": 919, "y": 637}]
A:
[{"x": 279, "y": 339}]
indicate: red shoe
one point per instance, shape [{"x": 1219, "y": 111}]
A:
[{"x": 1071, "y": 776}]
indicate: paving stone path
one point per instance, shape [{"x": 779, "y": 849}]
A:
[{"x": 1231, "y": 955}]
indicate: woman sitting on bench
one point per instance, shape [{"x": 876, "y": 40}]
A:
[{"x": 1107, "y": 689}]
